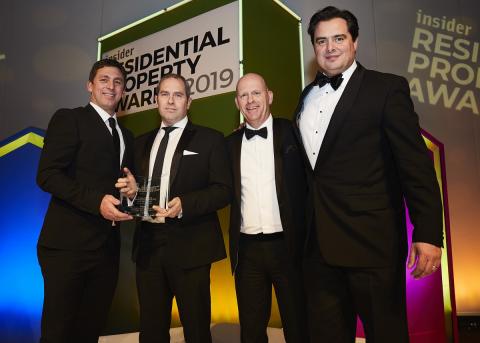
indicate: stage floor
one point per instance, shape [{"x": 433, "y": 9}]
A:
[{"x": 221, "y": 333}]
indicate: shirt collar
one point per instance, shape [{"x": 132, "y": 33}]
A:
[
  {"x": 348, "y": 73},
  {"x": 180, "y": 124},
  {"x": 267, "y": 123},
  {"x": 103, "y": 114}
]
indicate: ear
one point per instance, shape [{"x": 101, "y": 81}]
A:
[
  {"x": 355, "y": 44},
  {"x": 189, "y": 101},
  {"x": 236, "y": 104},
  {"x": 270, "y": 97},
  {"x": 89, "y": 86}
]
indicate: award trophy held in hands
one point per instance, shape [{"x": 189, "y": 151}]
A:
[{"x": 138, "y": 195}]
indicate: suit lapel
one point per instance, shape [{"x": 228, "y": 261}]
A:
[
  {"x": 125, "y": 143},
  {"x": 341, "y": 111},
  {"x": 100, "y": 129},
  {"x": 299, "y": 109},
  {"x": 236, "y": 162},
  {"x": 277, "y": 157},
  {"x": 187, "y": 135},
  {"x": 296, "y": 120}
]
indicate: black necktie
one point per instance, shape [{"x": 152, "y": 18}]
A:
[
  {"x": 334, "y": 81},
  {"x": 116, "y": 138},
  {"x": 158, "y": 166},
  {"x": 250, "y": 133}
]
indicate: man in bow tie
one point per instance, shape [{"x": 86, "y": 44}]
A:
[
  {"x": 175, "y": 249},
  {"x": 364, "y": 156},
  {"x": 267, "y": 223}
]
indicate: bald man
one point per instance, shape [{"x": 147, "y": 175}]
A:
[{"x": 267, "y": 220}]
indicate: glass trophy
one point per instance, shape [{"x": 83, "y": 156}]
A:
[{"x": 147, "y": 195}]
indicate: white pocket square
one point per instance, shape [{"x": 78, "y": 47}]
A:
[{"x": 186, "y": 152}]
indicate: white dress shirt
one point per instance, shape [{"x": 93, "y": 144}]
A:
[
  {"x": 318, "y": 108},
  {"x": 174, "y": 138},
  {"x": 259, "y": 203},
  {"x": 105, "y": 116}
]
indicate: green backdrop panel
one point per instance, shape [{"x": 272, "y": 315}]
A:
[{"x": 272, "y": 48}]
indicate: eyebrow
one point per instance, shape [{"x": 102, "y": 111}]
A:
[
  {"x": 251, "y": 92},
  {"x": 168, "y": 92}
]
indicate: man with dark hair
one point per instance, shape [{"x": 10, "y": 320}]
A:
[
  {"x": 267, "y": 220},
  {"x": 78, "y": 249},
  {"x": 107, "y": 62},
  {"x": 179, "y": 78},
  {"x": 175, "y": 248},
  {"x": 365, "y": 156},
  {"x": 329, "y": 13}
]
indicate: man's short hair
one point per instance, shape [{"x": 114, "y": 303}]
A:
[
  {"x": 331, "y": 12},
  {"x": 177, "y": 77},
  {"x": 107, "y": 62}
]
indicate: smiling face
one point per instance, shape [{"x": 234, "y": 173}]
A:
[
  {"x": 253, "y": 99},
  {"x": 106, "y": 88},
  {"x": 334, "y": 46},
  {"x": 172, "y": 101}
]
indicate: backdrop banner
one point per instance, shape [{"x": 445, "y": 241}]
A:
[{"x": 204, "y": 50}]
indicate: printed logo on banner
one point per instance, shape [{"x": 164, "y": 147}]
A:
[
  {"x": 444, "y": 63},
  {"x": 203, "y": 49}
]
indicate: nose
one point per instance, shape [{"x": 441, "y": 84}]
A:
[
  {"x": 170, "y": 99},
  {"x": 330, "y": 46},
  {"x": 250, "y": 98},
  {"x": 110, "y": 84}
]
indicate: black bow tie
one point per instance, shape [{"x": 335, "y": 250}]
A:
[
  {"x": 334, "y": 81},
  {"x": 250, "y": 133}
]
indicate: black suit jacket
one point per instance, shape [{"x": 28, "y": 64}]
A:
[
  {"x": 78, "y": 167},
  {"x": 371, "y": 159},
  {"x": 290, "y": 183},
  {"x": 203, "y": 183}
]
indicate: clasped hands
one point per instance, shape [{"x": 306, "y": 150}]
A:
[{"x": 127, "y": 186}]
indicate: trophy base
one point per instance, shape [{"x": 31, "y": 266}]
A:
[{"x": 138, "y": 212}]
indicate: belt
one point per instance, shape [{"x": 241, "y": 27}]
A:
[
  {"x": 261, "y": 236},
  {"x": 169, "y": 222}
]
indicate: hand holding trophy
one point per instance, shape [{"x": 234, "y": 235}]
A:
[
  {"x": 167, "y": 208},
  {"x": 138, "y": 194},
  {"x": 127, "y": 184},
  {"x": 173, "y": 209}
]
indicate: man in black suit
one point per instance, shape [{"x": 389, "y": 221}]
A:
[
  {"x": 365, "y": 156},
  {"x": 267, "y": 221},
  {"x": 174, "y": 249},
  {"x": 78, "y": 248}
]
